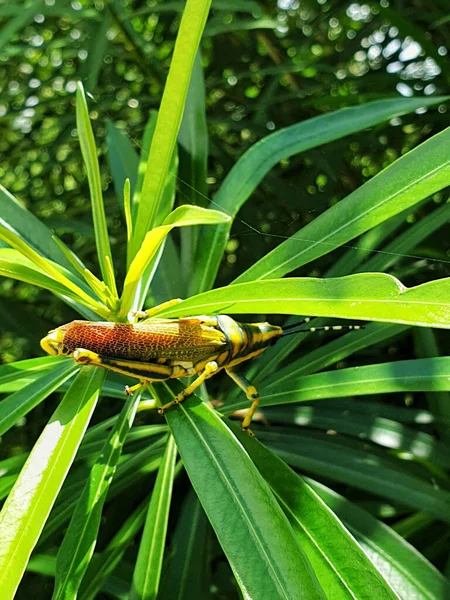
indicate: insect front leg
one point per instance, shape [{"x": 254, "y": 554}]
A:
[
  {"x": 138, "y": 315},
  {"x": 145, "y": 372},
  {"x": 251, "y": 393},
  {"x": 87, "y": 357},
  {"x": 210, "y": 369}
]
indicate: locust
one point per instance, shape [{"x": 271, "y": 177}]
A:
[{"x": 153, "y": 349}]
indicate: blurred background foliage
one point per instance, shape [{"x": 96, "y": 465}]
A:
[{"x": 267, "y": 65}]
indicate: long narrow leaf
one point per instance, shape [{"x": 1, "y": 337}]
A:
[
  {"x": 240, "y": 507},
  {"x": 257, "y": 162},
  {"x": 359, "y": 465},
  {"x": 189, "y": 555},
  {"x": 420, "y": 173},
  {"x": 170, "y": 115},
  {"x": 439, "y": 402},
  {"x": 426, "y": 374},
  {"x": 29, "y": 228},
  {"x": 79, "y": 542},
  {"x": 89, "y": 153},
  {"x": 339, "y": 563},
  {"x": 20, "y": 403},
  {"x": 103, "y": 565},
  {"x": 403, "y": 244},
  {"x": 123, "y": 159},
  {"x": 182, "y": 216},
  {"x": 329, "y": 354},
  {"x": 193, "y": 142},
  {"x": 27, "y": 369},
  {"x": 410, "y": 573},
  {"x": 363, "y": 426},
  {"x": 28, "y": 506},
  {"x": 365, "y": 296},
  {"x": 147, "y": 571},
  {"x": 47, "y": 274}
]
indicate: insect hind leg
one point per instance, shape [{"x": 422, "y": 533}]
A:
[
  {"x": 210, "y": 369},
  {"x": 252, "y": 394}
]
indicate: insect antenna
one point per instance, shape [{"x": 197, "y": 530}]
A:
[
  {"x": 292, "y": 329},
  {"x": 302, "y": 322}
]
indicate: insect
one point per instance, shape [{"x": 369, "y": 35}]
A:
[{"x": 158, "y": 349}]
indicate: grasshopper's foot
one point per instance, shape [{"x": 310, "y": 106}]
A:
[
  {"x": 248, "y": 431},
  {"x": 253, "y": 396},
  {"x": 162, "y": 409},
  {"x": 136, "y": 315},
  {"x": 86, "y": 357},
  {"x": 210, "y": 369},
  {"x": 129, "y": 391}
]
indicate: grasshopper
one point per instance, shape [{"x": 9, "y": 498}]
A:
[{"x": 156, "y": 349}]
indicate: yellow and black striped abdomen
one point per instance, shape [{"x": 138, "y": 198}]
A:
[{"x": 247, "y": 340}]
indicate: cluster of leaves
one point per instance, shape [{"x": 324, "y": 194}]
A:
[{"x": 78, "y": 501}]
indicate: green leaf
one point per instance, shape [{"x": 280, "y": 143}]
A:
[
  {"x": 147, "y": 571},
  {"x": 89, "y": 152},
  {"x": 43, "y": 564},
  {"x": 123, "y": 159},
  {"x": 169, "y": 116},
  {"x": 439, "y": 402},
  {"x": 132, "y": 470},
  {"x": 410, "y": 179},
  {"x": 243, "y": 512},
  {"x": 181, "y": 217},
  {"x": 98, "y": 43},
  {"x": 189, "y": 555},
  {"x": 28, "y": 505},
  {"x": 25, "y": 264},
  {"x": 142, "y": 165},
  {"x": 405, "y": 243},
  {"x": 29, "y": 228},
  {"x": 414, "y": 524},
  {"x": 104, "y": 564},
  {"x": 420, "y": 375},
  {"x": 251, "y": 168},
  {"x": 193, "y": 152},
  {"x": 367, "y": 246},
  {"x": 81, "y": 536},
  {"x": 166, "y": 205},
  {"x": 167, "y": 281},
  {"x": 16, "y": 406},
  {"x": 342, "y": 568},
  {"x": 411, "y": 575},
  {"x": 26, "y": 371},
  {"x": 363, "y": 426},
  {"x": 365, "y": 296},
  {"x": 327, "y": 354},
  {"x": 359, "y": 465}
]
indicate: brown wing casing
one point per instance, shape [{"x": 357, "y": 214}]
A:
[{"x": 174, "y": 340}]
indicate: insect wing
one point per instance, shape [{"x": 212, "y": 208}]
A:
[{"x": 149, "y": 341}]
